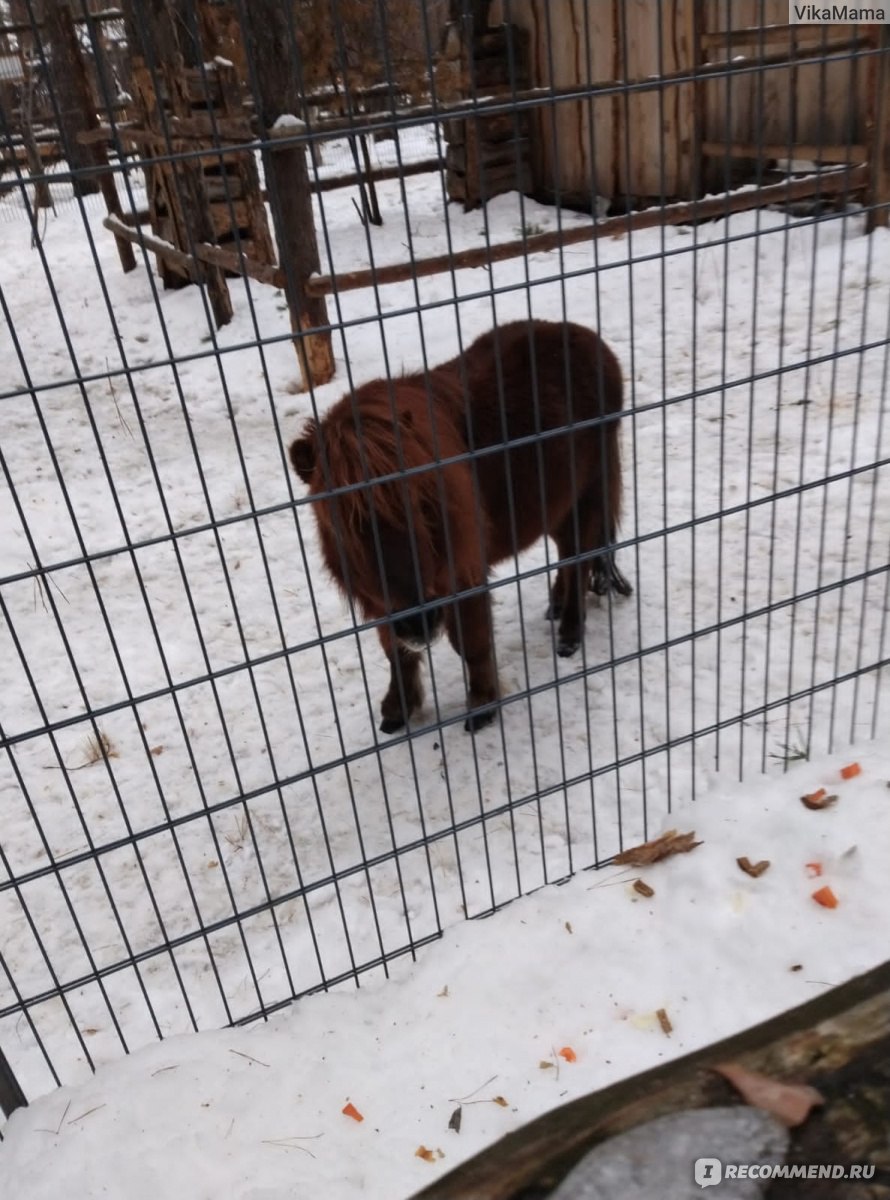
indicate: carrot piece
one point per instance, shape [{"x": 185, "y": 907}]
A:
[
  {"x": 568, "y": 1054},
  {"x": 826, "y": 897},
  {"x": 813, "y": 797},
  {"x": 851, "y": 770},
  {"x": 349, "y": 1110},
  {"x": 814, "y": 869}
]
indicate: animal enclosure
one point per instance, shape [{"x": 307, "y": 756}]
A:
[{"x": 202, "y": 819}]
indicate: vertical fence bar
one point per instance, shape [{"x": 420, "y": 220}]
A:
[
  {"x": 11, "y": 1095},
  {"x": 879, "y": 150}
]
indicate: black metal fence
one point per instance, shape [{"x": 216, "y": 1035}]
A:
[{"x": 201, "y": 820}]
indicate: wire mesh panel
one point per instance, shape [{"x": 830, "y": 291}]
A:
[{"x": 202, "y": 816}]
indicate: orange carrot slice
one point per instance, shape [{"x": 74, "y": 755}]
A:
[
  {"x": 349, "y": 1110},
  {"x": 814, "y": 869},
  {"x": 826, "y": 897},
  {"x": 813, "y": 798},
  {"x": 568, "y": 1054},
  {"x": 851, "y": 770}
]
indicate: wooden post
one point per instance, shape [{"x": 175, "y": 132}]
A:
[
  {"x": 879, "y": 150},
  {"x": 72, "y": 94},
  {"x": 691, "y": 103},
  {"x": 77, "y": 115},
  {"x": 275, "y": 79}
]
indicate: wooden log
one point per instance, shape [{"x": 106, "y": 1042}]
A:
[
  {"x": 271, "y": 41},
  {"x": 879, "y": 184},
  {"x": 226, "y": 260},
  {"x": 419, "y": 167},
  {"x": 829, "y": 183},
  {"x": 844, "y": 1029}
]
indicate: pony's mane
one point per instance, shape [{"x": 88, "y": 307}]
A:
[{"x": 379, "y": 432}]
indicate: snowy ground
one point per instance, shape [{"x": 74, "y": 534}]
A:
[
  {"x": 189, "y": 440},
  {"x": 257, "y": 1114}
]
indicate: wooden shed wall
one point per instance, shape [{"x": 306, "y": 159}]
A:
[
  {"x": 821, "y": 101},
  {"x": 643, "y": 144}
]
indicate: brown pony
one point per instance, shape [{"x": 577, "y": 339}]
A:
[{"x": 407, "y": 532}]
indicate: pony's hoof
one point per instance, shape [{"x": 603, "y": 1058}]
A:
[
  {"x": 392, "y": 724},
  {"x": 479, "y": 719},
  {"x": 566, "y": 648},
  {"x": 621, "y": 584},
  {"x": 610, "y": 579}
]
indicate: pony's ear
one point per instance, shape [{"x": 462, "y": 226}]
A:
[{"x": 304, "y": 452}]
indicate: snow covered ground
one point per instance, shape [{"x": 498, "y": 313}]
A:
[
  {"x": 257, "y": 1114},
  {"x": 271, "y": 774}
]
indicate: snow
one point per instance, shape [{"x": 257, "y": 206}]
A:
[
  {"x": 257, "y": 1113},
  {"x": 274, "y": 780},
  {"x": 288, "y": 121}
]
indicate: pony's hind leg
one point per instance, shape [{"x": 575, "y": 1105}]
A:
[
  {"x": 583, "y": 530},
  {"x": 470, "y": 632},
  {"x": 405, "y": 691}
]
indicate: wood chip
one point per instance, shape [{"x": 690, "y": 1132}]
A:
[
  {"x": 654, "y": 851},
  {"x": 456, "y": 1118},
  {"x": 791, "y": 1103},
  {"x": 664, "y": 1021},
  {"x": 753, "y": 869},
  {"x": 643, "y": 888},
  {"x": 500, "y": 1101}
]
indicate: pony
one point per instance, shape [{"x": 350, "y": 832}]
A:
[{"x": 421, "y": 484}]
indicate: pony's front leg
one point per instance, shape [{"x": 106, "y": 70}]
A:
[
  {"x": 471, "y": 633},
  {"x": 405, "y": 691}
]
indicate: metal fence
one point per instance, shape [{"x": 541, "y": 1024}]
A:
[{"x": 201, "y": 817}]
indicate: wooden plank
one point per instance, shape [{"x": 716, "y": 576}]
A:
[
  {"x": 845, "y": 1025},
  {"x": 828, "y": 183},
  {"x": 774, "y": 35},
  {"x": 807, "y": 152}
]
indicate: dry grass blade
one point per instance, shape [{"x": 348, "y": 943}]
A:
[
  {"x": 99, "y": 748},
  {"x": 665, "y": 846}
]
